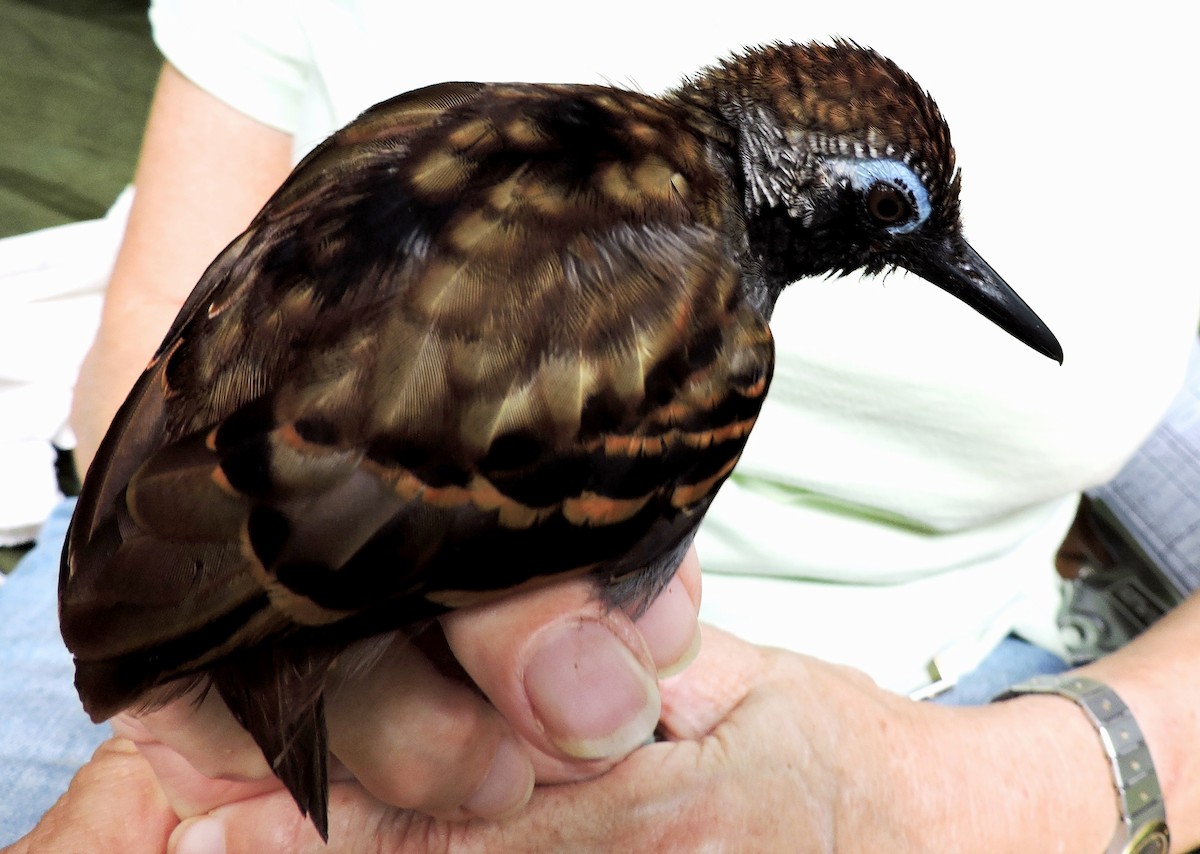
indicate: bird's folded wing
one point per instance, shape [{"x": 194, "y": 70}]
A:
[{"x": 484, "y": 336}]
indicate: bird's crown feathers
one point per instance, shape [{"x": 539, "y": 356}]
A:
[{"x": 796, "y": 105}]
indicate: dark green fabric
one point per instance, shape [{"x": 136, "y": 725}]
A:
[
  {"x": 10, "y": 556},
  {"x": 75, "y": 83}
]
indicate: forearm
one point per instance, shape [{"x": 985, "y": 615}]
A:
[
  {"x": 1030, "y": 773},
  {"x": 1024, "y": 775},
  {"x": 204, "y": 170}
]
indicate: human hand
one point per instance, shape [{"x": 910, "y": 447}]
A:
[
  {"x": 767, "y": 750},
  {"x": 114, "y": 803},
  {"x": 571, "y": 684},
  {"x": 730, "y": 774},
  {"x": 762, "y": 747}
]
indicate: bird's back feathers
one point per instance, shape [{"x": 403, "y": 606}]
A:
[{"x": 484, "y": 335}]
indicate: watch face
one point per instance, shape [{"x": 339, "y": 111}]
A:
[{"x": 1150, "y": 838}]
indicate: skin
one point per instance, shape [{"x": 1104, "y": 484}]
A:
[
  {"x": 769, "y": 750},
  {"x": 766, "y": 749}
]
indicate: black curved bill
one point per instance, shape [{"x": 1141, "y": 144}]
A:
[{"x": 956, "y": 268}]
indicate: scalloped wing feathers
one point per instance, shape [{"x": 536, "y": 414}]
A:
[{"x": 483, "y": 335}]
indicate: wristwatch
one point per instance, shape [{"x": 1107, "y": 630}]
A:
[{"x": 1142, "y": 827}]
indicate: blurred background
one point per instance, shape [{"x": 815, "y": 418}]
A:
[
  {"x": 76, "y": 78},
  {"x": 75, "y": 84}
]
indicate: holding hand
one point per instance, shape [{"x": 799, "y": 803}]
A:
[
  {"x": 759, "y": 754},
  {"x": 571, "y": 688},
  {"x": 766, "y": 750}
]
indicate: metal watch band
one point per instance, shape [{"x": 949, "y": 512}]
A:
[{"x": 1142, "y": 827}]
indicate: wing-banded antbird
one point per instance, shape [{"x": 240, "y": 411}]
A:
[{"x": 484, "y": 335}]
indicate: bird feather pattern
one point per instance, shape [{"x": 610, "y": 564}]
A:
[
  {"x": 483, "y": 337},
  {"x": 372, "y": 408}
]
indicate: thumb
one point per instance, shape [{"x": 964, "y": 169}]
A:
[{"x": 573, "y": 676}]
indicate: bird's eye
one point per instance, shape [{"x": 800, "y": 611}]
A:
[{"x": 888, "y": 204}]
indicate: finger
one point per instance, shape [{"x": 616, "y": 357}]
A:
[
  {"x": 417, "y": 739},
  {"x": 435, "y": 745},
  {"x": 698, "y": 699},
  {"x": 200, "y": 755},
  {"x": 575, "y": 678},
  {"x": 669, "y": 627},
  {"x": 359, "y": 824},
  {"x": 200, "y": 727},
  {"x": 84, "y": 818},
  {"x": 602, "y": 815},
  {"x": 759, "y": 768},
  {"x": 270, "y": 824},
  {"x": 665, "y": 784}
]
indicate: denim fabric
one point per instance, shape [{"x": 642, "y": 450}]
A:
[
  {"x": 1012, "y": 661},
  {"x": 44, "y": 734}
]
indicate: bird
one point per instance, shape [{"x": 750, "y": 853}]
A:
[{"x": 485, "y": 336}]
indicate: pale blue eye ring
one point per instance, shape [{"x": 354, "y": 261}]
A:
[{"x": 891, "y": 182}]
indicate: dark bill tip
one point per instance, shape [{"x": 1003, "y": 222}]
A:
[{"x": 956, "y": 268}]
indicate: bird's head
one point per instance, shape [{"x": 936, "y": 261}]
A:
[{"x": 846, "y": 164}]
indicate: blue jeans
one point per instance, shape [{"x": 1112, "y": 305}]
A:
[
  {"x": 44, "y": 734},
  {"x": 1014, "y": 660}
]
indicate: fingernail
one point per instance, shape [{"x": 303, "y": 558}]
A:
[
  {"x": 508, "y": 784},
  {"x": 671, "y": 630},
  {"x": 593, "y": 698},
  {"x": 205, "y": 835}
]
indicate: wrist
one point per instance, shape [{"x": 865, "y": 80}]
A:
[
  {"x": 1025, "y": 775},
  {"x": 1170, "y": 729},
  {"x": 1141, "y": 825}
]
